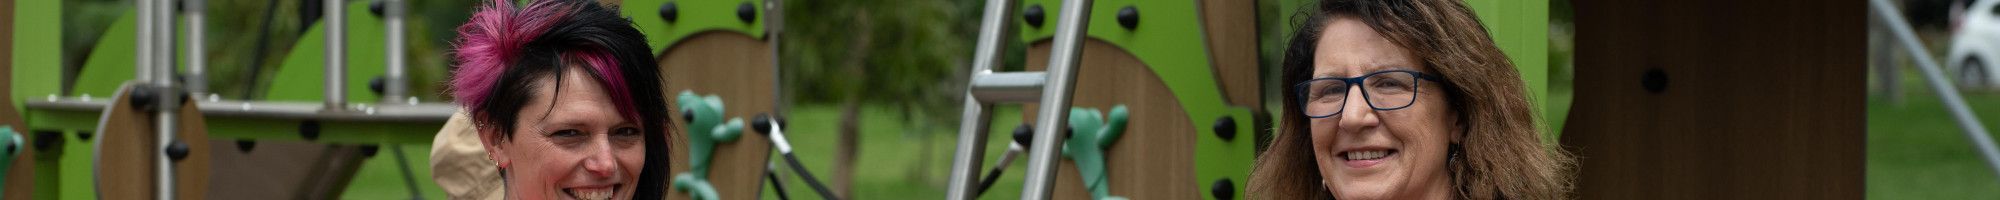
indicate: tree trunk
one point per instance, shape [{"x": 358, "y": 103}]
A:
[
  {"x": 850, "y": 109},
  {"x": 850, "y": 128}
]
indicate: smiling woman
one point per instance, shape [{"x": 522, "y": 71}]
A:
[
  {"x": 1404, "y": 100},
  {"x": 566, "y": 101}
]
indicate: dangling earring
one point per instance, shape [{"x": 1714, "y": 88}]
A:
[{"x": 1452, "y": 153}]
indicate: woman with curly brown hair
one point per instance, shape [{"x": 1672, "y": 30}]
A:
[{"x": 1404, "y": 99}]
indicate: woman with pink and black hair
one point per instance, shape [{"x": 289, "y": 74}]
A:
[{"x": 565, "y": 98}]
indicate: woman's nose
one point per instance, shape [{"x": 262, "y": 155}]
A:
[
  {"x": 600, "y": 161},
  {"x": 1355, "y": 113}
]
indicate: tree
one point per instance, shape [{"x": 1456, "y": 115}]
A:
[{"x": 904, "y": 54}]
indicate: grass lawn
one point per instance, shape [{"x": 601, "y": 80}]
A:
[{"x": 1916, "y": 151}]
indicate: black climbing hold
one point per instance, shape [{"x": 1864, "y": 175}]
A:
[
  {"x": 670, "y": 11},
  {"x": 762, "y": 123},
  {"x": 1225, "y": 128},
  {"x": 176, "y": 150},
  {"x": 376, "y": 7},
  {"x": 143, "y": 97},
  {"x": 1654, "y": 80},
  {"x": 1024, "y": 134},
  {"x": 377, "y": 84},
  {"x": 309, "y": 130},
  {"x": 46, "y": 139},
  {"x": 687, "y": 115},
  {"x": 746, "y": 12},
  {"x": 369, "y": 150},
  {"x": 1033, "y": 15},
  {"x": 1128, "y": 17},
  {"x": 245, "y": 146},
  {"x": 1223, "y": 189}
]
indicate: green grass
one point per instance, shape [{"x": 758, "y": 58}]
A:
[
  {"x": 893, "y": 163},
  {"x": 1916, "y": 150}
]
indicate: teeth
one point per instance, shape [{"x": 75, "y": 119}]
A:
[
  {"x": 1367, "y": 155},
  {"x": 591, "y": 194}
]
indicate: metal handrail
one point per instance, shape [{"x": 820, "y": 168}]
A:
[{"x": 1960, "y": 112}]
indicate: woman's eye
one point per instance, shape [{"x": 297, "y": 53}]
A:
[
  {"x": 626, "y": 131},
  {"x": 566, "y": 133}
]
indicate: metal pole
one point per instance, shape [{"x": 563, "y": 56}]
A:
[
  {"x": 397, "y": 82},
  {"x": 197, "y": 77},
  {"x": 167, "y": 95},
  {"x": 336, "y": 58},
  {"x": 774, "y": 26},
  {"x": 1962, "y": 113},
  {"x": 1054, "y": 112},
  {"x": 996, "y": 26},
  {"x": 144, "y": 52}
]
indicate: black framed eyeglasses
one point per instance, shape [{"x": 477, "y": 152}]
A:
[{"x": 1384, "y": 90}]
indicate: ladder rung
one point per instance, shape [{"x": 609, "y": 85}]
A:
[{"x": 1008, "y": 87}]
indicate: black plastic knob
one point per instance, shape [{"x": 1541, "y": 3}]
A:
[
  {"x": 1223, "y": 189},
  {"x": 746, "y": 12},
  {"x": 1128, "y": 17},
  {"x": 670, "y": 11},
  {"x": 1225, "y": 128},
  {"x": 1033, "y": 15},
  {"x": 176, "y": 150}
]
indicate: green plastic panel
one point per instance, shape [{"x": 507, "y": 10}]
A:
[
  {"x": 301, "y": 76},
  {"x": 695, "y": 16},
  {"x": 37, "y": 70}
]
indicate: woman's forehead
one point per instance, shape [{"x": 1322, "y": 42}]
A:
[{"x": 1348, "y": 47}]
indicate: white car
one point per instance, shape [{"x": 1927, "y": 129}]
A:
[{"x": 1975, "y": 46}]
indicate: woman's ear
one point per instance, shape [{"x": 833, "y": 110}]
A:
[
  {"x": 493, "y": 140},
  {"x": 1458, "y": 120}
]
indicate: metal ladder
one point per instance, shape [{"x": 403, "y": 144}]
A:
[{"x": 1052, "y": 87}]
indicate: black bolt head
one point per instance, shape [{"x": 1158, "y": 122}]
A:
[
  {"x": 1128, "y": 17},
  {"x": 177, "y": 150},
  {"x": 1225, "y": 128},
  {"x": 670, "y": 11},
  {"x": 1654, "y": 80},
  {"x": 762, "y": 123},
  {"x": 84, "y": 135},
  {"x": 746, "y": 12},
  {"x": 369, "y": 150},
  {"x": 309, "y": 130},
  {"x": 45, "y": 140},
  {"x": 246, "y": 145},
  {"x": 1024, "y": 134},
  {"x": 1033, "y": 15},
  {"x": 144, "y": 97},
  {"x": 1223, "y": 189},
  {"x": 378, "y": 84},
  {"x": 376, "y": 7}
]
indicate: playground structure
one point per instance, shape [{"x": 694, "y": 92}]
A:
[{"x": 1158, "y": 100}]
